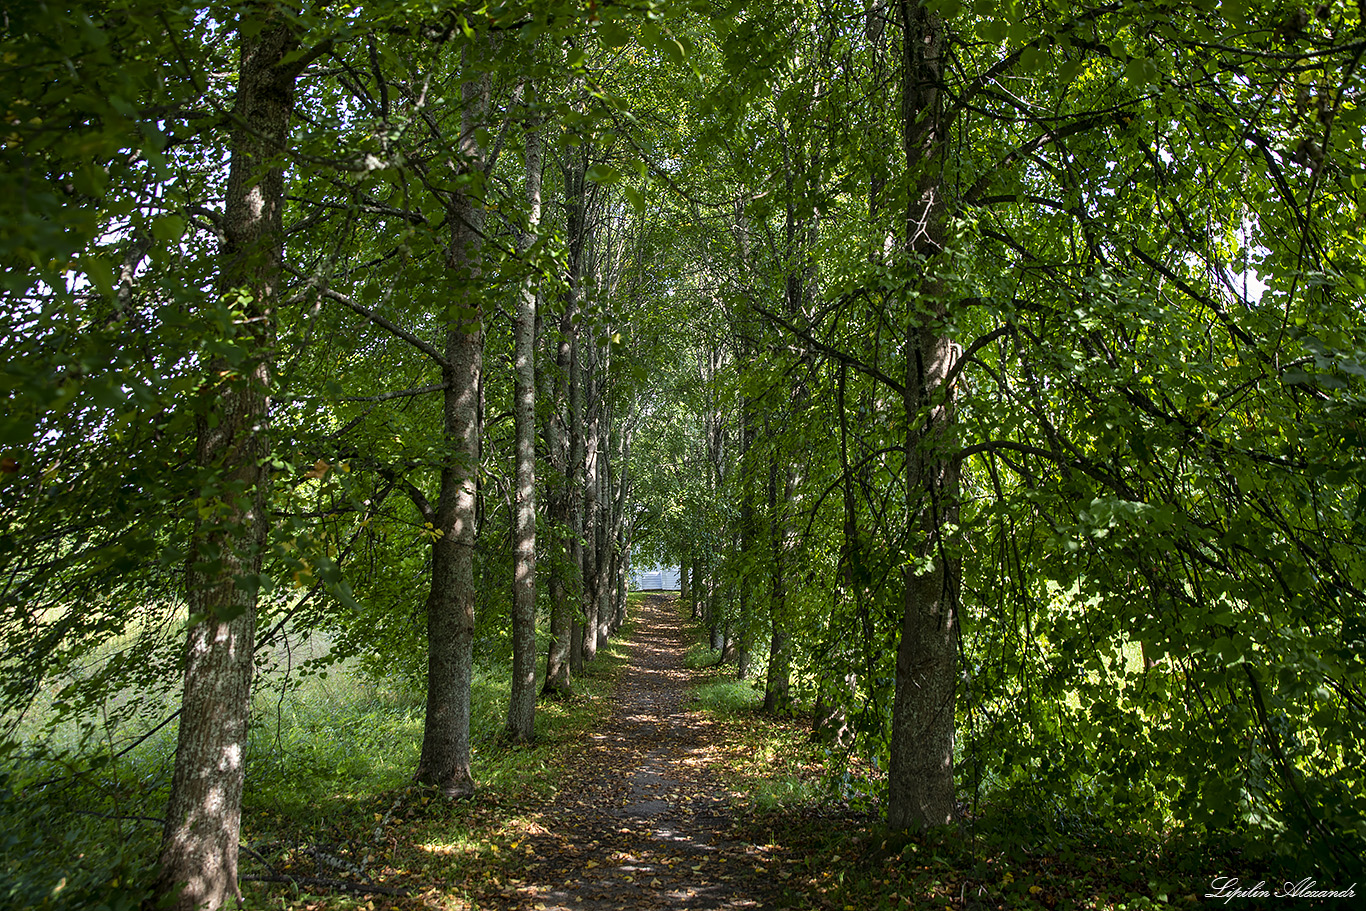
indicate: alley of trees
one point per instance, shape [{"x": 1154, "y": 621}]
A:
[{"x": 994, "y": 371}]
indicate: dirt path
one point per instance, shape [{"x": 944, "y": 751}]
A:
[{"x": 643, "y": 821}]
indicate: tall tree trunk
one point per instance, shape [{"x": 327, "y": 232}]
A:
[
  {"x": 699, "y": 586},
  {"x": 445, "y": 759},
  {"x": 199, "y": 842},
  {"x": 777, "y": 683},
  {"x": 799, "y": 235},
  {"x": 563, "y": 584},
  {"x": 920, "y": 776},
  {"x": 522, "y": 703},
  {"x": 749, "y": 481},
  {"x": 746, "y": 536},
  {"x": 576, "y": 517},
  {"x": 620, "y": 543},
  {"x": 592, "y": 468},
  {"x": 605, "y": 513}
]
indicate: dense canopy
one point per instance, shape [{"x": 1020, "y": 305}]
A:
[{"x": 995, "y": 373}]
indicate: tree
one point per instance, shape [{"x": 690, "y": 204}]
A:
[
  {"x": 203, "y": 813},
  {"x": 920, "y": 777},
  {"x": 522, "y": 702},
  {"x": 445, "y": 760}
]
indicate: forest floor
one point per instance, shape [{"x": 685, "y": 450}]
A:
[{"x": 652, "y": 801}]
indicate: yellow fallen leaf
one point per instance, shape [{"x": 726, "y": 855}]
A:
[
  {"x": 590, "y": 865},
  {"x": 1035, "y": 890}
]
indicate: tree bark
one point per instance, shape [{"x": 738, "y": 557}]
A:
[
  {"x": 198, "y": 856},
  {"x": 777, "y": 683},
  {"x": 746, "y": 538},
  {"x": 920, "y": 775},
  {"x": 699, "y": 586},
  {"x": 592, "y": 519},
  {"x": 445, "y": 759},
  {"x": 606, "y": 529},
  {"x": 618, "y": 536},
  {"x": 564, "y": 573},
  {"x": 576, "y": 200},
  {"x": 522, "y": 702},
  {"x": 576, "y": 516}
]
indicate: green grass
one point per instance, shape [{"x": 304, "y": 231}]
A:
[
  {"x": 727, "y": 697},
  {"x": 347, "y": 761},
  {"x": 328, "y": 757}
]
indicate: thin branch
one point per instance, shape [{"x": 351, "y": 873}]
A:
[
  {"x": 398, "y": 394},
  {"x": 388, "y": 325},
  {"x": 344, "y": 885},
  {"x": 830, "y": 351}
]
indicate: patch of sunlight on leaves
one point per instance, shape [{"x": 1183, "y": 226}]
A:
[
  {"x": 727, "y": 696},
  {"x": 700, "y": 655}
]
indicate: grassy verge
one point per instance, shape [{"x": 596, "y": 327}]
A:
[
  {"x": 327, "y": 801},
  {"x": 339, "y": 806}
]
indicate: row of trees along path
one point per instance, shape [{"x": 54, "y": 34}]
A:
[
  {"x": 1027, "y": 340},
  {"x": 644, "y": 821}
]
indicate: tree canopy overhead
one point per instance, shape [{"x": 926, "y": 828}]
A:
[{"x": 996, "y": 373}]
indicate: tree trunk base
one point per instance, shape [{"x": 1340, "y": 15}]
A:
[
  {"x": 458, "y": 787},
  {"x": 552, "y": 690}
]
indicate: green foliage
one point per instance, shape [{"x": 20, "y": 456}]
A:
[
  {"x": 1152, "y": 264},
  {"x": 726, "y": 696},
  {"x": 50, "y": 819}
]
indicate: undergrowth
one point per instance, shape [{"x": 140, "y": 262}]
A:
[
  {"x": 821, "y": 806},
  {"x": 329, "y": 763}
]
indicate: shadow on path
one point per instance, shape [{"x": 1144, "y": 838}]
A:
[{"x": 643, "y": 821}]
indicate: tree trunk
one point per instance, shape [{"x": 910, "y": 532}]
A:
[
  {"x": 620, "y": 545},
  {"x": 746, "y": 537},
  {"x": 199, "y": 843},
  {"x": 564, "y": 573},
  {"x": 920, "y": 776},
  {"x": 522, "y": 703},
  {"x": 777, "y": 684},
  {"x": 576, "y": 517},
  {"x": 592, "y": 467},
  {"x": 605, "y": 530},
  {"x": 699, "y": 586},
  {"x": 445, "y": 759}
]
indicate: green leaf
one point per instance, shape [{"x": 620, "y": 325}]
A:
[
  {"x": 100, "y": 272},
  {"x": 993, "y": 30},
  {"x": 603, "y": 174},
  {"x": 168, "y": 228},
  {"x": 612, "y": 35},
  {"x": 1141, "y": 71}
]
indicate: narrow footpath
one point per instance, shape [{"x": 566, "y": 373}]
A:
[{"x": 644, "y": 822}]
